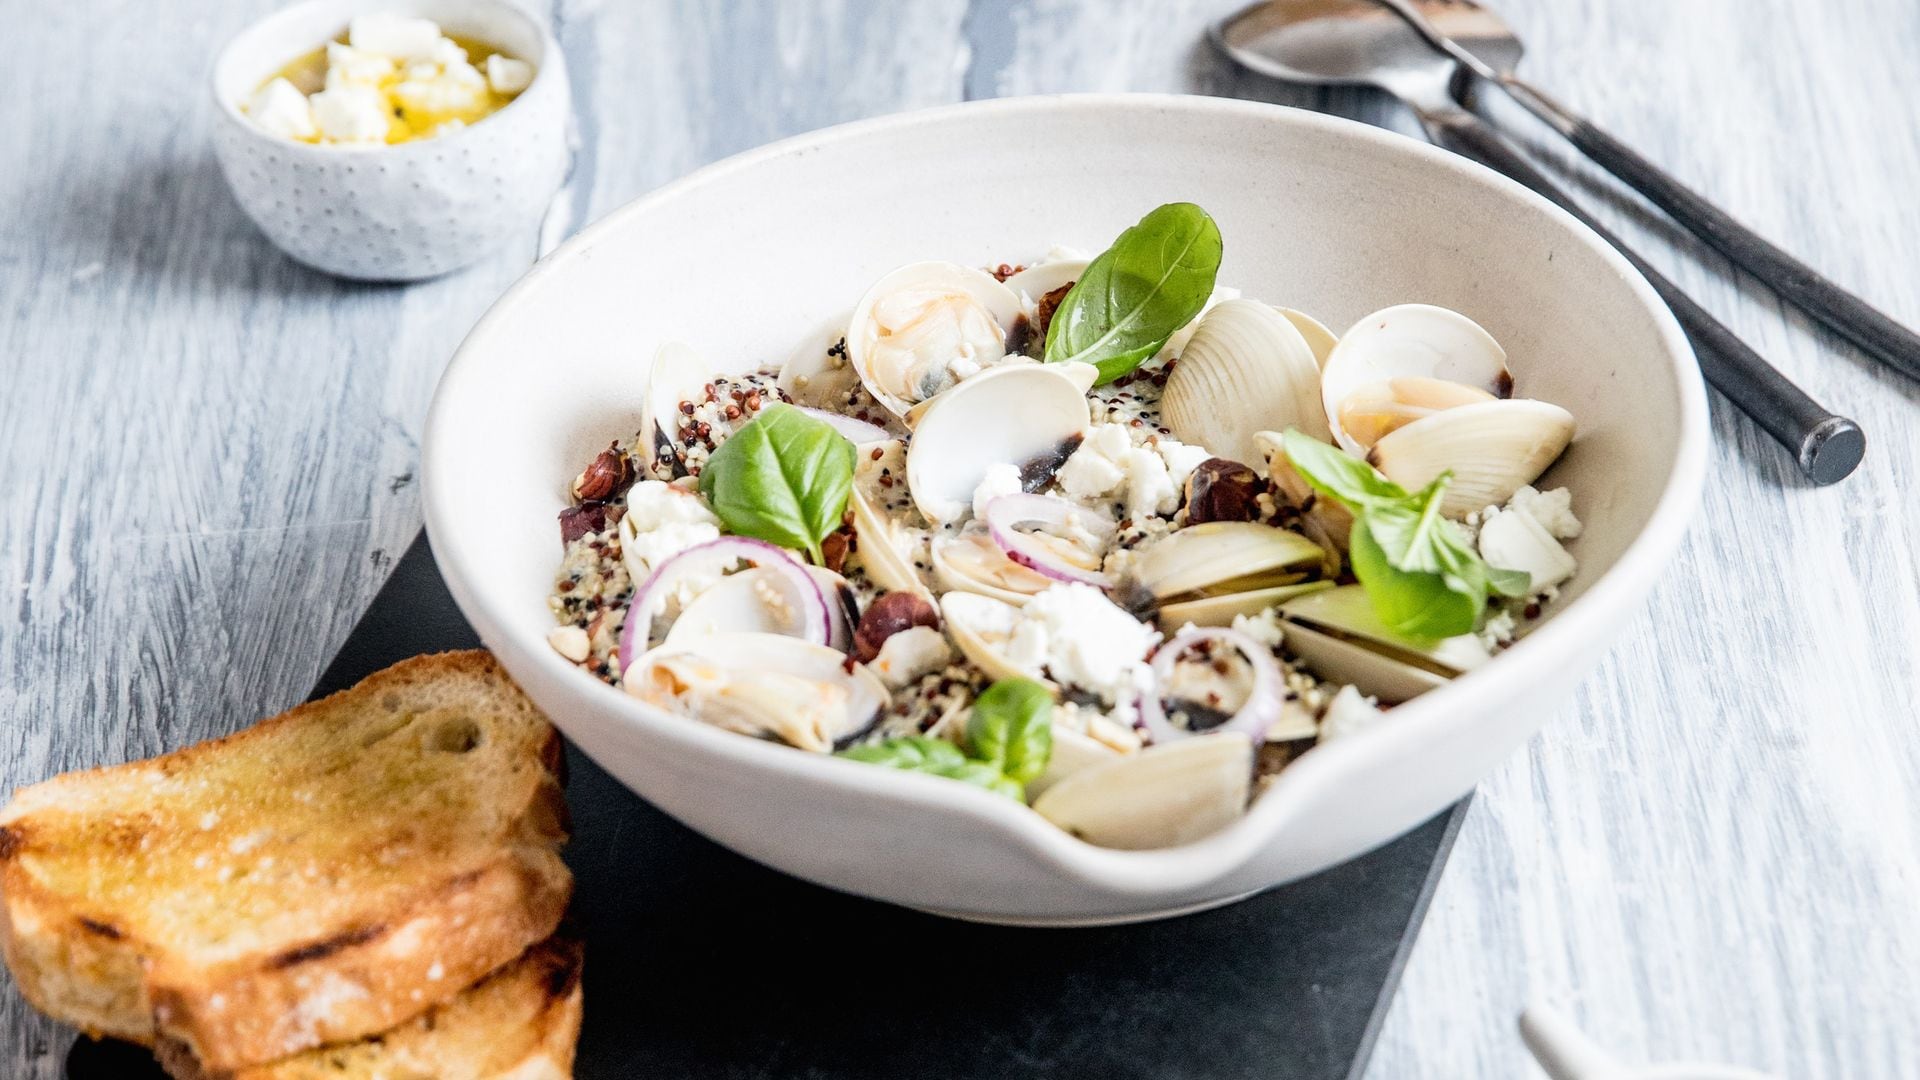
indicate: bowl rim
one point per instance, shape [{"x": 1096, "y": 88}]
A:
[
  {"x": 490, "y": 9},
  {"x": 1133, "y": 873}
]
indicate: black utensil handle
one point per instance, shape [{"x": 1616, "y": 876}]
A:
[
  {"x": 1827, "y": 447},
  {"x": 1799, "y": 284}
]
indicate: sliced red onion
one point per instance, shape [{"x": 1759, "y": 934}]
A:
[
  {"x": 1256, "y": 714},
  {"x": 1006, "y": 513},
  {"x": 855, "y": 429},
  {"x": 716, "y": 557}
]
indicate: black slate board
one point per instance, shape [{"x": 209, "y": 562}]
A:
[{"x": 703, "y": 965}]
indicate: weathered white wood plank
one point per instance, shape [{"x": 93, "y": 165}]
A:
[{"x": 1711, "y": 852}]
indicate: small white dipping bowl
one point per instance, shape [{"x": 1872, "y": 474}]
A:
[
  {"x": 409, "y": 211},
  {"x": 747, "y": 257}
]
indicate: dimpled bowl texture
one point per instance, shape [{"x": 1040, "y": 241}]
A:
[
  {"x": 409, "y": 211},
  {"x": 747, "y": 257}
]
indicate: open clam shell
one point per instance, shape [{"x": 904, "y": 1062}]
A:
[
  {"x": 972, "y": 562},
  {"x": 817, "y": 373},
  {"x": 1220, "y": 558},
  {"x": 765, "y": 685},
  {"x": 982, "y": 628},
  {"x": 751, "y": 601},
  {"x": 1165, "y": 795},
  {"x": 1073, "y": 752},
  {"x": 1320, "y": 339},
  {"x": 1405, "y": 349},
  {"x": 1336, "y": 632},
  {"x": 883, "y": 551},
  {"x": 1247, "y": 368},
  {"x": 924, "y": 327},
  {"x": 679, "y": 373},
  {"x": 1492, "y": 448},
  {"x": 1221, "y": 610},
  {"x": 1031, "y": 416}
]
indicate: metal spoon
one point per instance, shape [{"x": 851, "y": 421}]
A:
[
  {"x": 1480, "y": 41},
  {"x": 1359, "y": 42}
]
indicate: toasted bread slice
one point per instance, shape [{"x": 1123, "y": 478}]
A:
[
  {"x": 519, "y": 1023},
  {"x": 324, "y": 876}
]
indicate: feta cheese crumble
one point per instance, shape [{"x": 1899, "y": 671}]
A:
[
  {"x": 911, "y": 655},
  {"x": 1146, "y": 480},
  {"x": 1001, "y": 479},
  {"x": 1079, "y": 637},
  {"x": 1348, "y": 713},
  {"x": 662, "y": 521}
]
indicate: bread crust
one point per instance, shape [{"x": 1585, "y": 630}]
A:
[
  {"x": 355, "y": 969},
  {"x": 521, "y": 1022}
]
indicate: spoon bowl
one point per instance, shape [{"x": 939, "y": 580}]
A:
[{"x": 1358, "y": 42}]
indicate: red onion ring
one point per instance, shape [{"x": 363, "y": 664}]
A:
[
  {"x": 717, "y": 556},
  {"x": 1006, "y": 513},
  {"x": 1256, "y": 714},
  {"x": 855, "y": 429}
]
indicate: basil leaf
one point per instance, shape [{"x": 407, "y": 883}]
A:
[
  {"x": 1153, "y": 280},
  {"x": 936, "y": 757},
  {"x": 1012, "y": 728},
  {"x": 1424, "y": 579},
  {"x": 783, "y": 478},
  {"x": 1337, "y": 474},
  {"x": 916, "y": 753},
  {"x": 1414, "y": 603}
]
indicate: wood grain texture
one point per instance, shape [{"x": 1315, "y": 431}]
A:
[{"x": 1712, "y": 852}]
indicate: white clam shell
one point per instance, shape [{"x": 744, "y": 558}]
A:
[
  {"x": 740, "y": 603},
  {"x": 1336, "y": 632},
  {"x": 1219, "y": 557},
  {"x": 814, "y": 377},
  {"x": 881, "y": 551},
  {"x": 1247, "y": 368},
  {"x": 1320, "y": 339},
  {"x": 1011, "y": 415},
  {"x": 765, "y": 685},
  {"x": 1163, "y": 796},
  {"x": 1493, "y": 449},
  {"x": 980, "y": 626},
  {"x": 679, "y": 373},
  {"x": 1410, "y": 340},
  {"x": 1073, "y": 752},
  {"x": 972, "y": 562},
  {"x": 1220, "y": 610},
  {"x": 1037, "y": 281},
  {"x": 912, "y": 329}
]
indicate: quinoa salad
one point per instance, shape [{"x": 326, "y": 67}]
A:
[{"x": 1100, "y": 535}]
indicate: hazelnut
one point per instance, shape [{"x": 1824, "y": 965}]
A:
[
  {"x": 609, "y": 475},
  {"x": 1223, "y": 490},
  {"x": 887, "y": 616}
]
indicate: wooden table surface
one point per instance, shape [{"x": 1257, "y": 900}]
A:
[{"x": 207, "y": 459}]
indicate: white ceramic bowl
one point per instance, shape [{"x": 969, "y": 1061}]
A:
[
  {"x": 405, "y": 212},
  {"x": 1336, "y": 218}
]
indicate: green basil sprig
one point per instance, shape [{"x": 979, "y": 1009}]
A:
[
  {"x": 1012, "y": 728},
  {"x": 1153, "y": 280},
  {"x": 1010, "y": 733},
  {"x": 924, "y": 753},
  {"x": 783, "y": 478},
  {"x": 1423, "y": 577}
]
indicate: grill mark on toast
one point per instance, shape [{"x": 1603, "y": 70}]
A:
[
  {"x": 103, "y": 929},
  {"x": 325, "y": 947}
]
